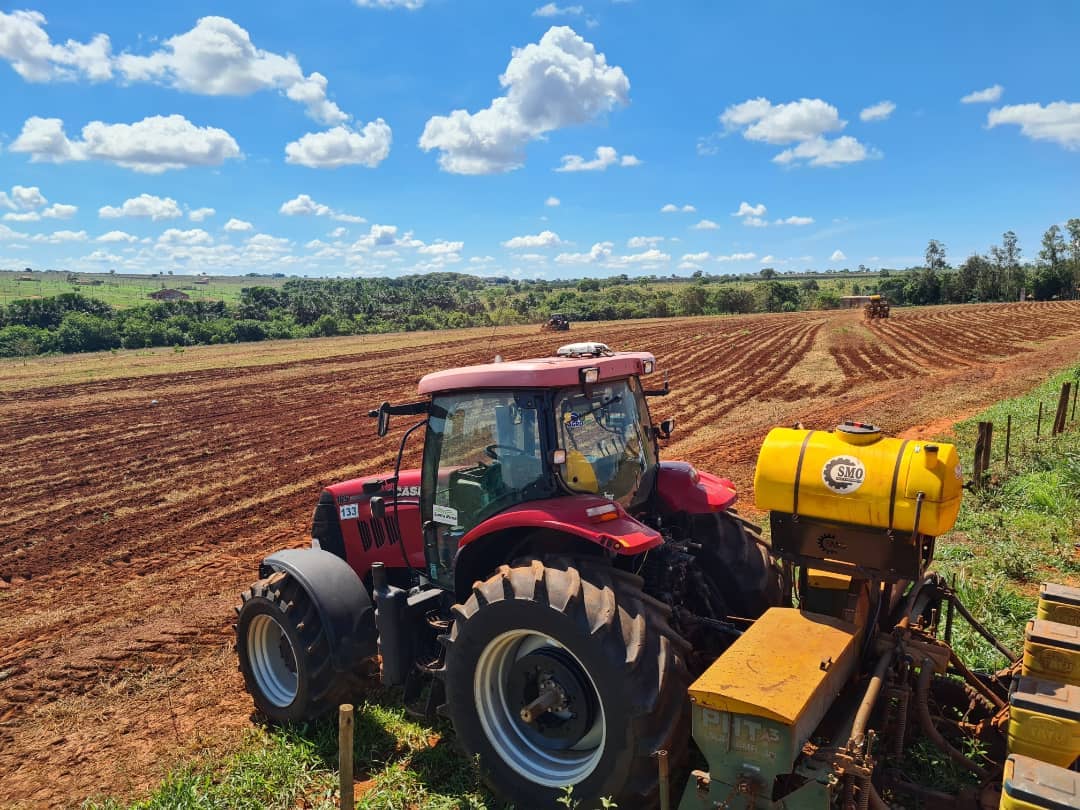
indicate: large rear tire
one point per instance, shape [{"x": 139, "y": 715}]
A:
[
  {"x": 588, "y": 634},
  {"x": 284, "y": 654},
  {"x": 740, "y": 565}
]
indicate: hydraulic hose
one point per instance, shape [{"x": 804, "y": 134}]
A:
[
  {"x": 873, "y": 690},
  {"x": 981, "y": 630},
  {"x": 926, "y": 722}
]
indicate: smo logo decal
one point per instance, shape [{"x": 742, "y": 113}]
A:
[{"x": 843, "y": 474}]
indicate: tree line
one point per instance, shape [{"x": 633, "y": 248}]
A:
[{"x": 72, "y": 322}]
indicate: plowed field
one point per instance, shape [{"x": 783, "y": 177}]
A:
[{"x": 139, "y": 491}]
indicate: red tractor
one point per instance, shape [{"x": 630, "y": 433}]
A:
[{"x": 555, "y": 582}]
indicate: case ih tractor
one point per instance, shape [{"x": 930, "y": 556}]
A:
[
  {"x": 582, "y": 610},
  {"x": 556, "y": 323}
]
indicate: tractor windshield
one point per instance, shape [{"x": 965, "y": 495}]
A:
[{"x": 605, "y": 434}]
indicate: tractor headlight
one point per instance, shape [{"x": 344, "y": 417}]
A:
[
  {"x": 590, "y": 375},
  {"x": 647, "y": 366}
]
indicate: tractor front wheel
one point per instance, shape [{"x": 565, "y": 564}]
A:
[
  {"x": 563, "y": 674},
  {"x": 284, "y": 655}
]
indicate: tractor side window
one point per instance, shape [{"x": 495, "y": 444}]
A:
[{"x": 482, "y": 455}]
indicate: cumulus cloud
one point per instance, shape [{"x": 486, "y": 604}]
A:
[
  {"x": 877, "y": 112},
  {"x": 304, "y": 205},
  {"x": 176, "y": 236},
  {"x": 553, "y": 10},
  {"x": 637, "y": 242},
  {"x": 145, "y": 205},
  {"x": 201, "y": 214},
  {"x": 1058, "y": 122},
  {"x": 837, "y": 256},
  {"x": 552, "y": 202},
  {"x": 342, "y": 146},
  {"x": 22, "y": 216},
  {"x": 605, "y": 156},
  {"x": 804, "y": 123},
  {"x": 696, "y": 258},
  {"x": 705, "y": 225},
  {"x": 411, "y": 5},
  {"x": 671, "y": 208},
  {"x": 823, "y": 152},
  {"x": 795, "y": 221},
  {"x": 34, "y": 56},
  {"x": 218, "y": 58},
  {"x": 987, "y": 96},
  {"x": 541, "y": 240},
  {"x": 235, "y": 225},
  {"x": 737, "y": 257},
  {"x": 599, "y": 252},
  {"x": 557, "y": 82},
  {"x": 754, "y": 222},
  {"x": 746, "y": 209},
  {"x": 441, "y": 247},
  {"x": 60, "y": 211},
  {"x": 647, "y": 257},
  {"x": 117, "y": 236},
  {"x": 152, "y": 145},
  {"x": 57, "y": 237}
]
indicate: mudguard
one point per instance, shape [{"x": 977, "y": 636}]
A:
[
  {"x": 344, "y": 605},
  {"x": 681, "y": 488}
]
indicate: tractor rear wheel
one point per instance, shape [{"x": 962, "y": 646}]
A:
[
  {"x": 284, "y": 655},
  {"x": 741, "y": 567},
  {"x": 564, "y": 673}
]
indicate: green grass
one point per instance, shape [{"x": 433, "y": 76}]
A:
[
  {"x": 1022, "y": 527},
  {"x": 124, "y": 291},
  {"x": 409, "y": 763}
]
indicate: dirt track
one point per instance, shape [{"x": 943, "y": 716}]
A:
[{"x": 128, "y": 527}]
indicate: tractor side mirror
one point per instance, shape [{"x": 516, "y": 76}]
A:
[
  {"x": 378, "y": 507},
  {"x": 667, "y": 427},
  {"x": 384, "y": 419}
]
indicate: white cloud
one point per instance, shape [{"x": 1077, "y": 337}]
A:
[
  {"x": 552, "y": 10},
  {"x": 338, "y": 233},
  {"x": 605, "y": 156},
  {"x": 22, "y": 216},
  {"x": 1058, "y": 122},
  {"x": 643, "y": 241},
  {"x": 650, "y": 256},
  {"x": 558, "y": 82},
  {"x": 696, "y": 257},
  {"x": 60, "y": 211},
  {"x": 152, "y": 145},
  {"x": 481, "y": 259},
  {"x": 800, "y": 120},
  {"x": 175, "y": 236},
  {"x": 117, "y": 236},
  {"x": 770, "y": 259},
  {"x": 598, "y": 252},
  {"x": 61, "y": 236},
  {"x": 441, "y": 248},
  {"x": 837, "y": 256},
  {"x": 705, "y": 225},
  {"x": 754, "y": 222},
  {"x": 303, "y": 205},
  {"x": 737, "y": 257},
  {"x": 342, "y": 146},
  {"x": 877, "y": 112},
  {"x": 235, "y": 225},
  {"x": 411, "y": 5},
  {"x": 987, "y": 96},
  {"x": 823, "y": 152},
  {"x": 218, "y": 58},
  {"x": 145, "y": 205},
  {"x": 23, "y": 198},
  {"x": 541, "y": 240},
  {"x": 796, "y": 221},
  {"x": 201, "y": 214},
  {"x": 746, "y": 209},
  {"x": 671, "y": 208},
  {"x": 552, "y": 202},
  {"x": 26, "y": 45}
]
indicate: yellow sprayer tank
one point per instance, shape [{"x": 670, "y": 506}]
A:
[{"x": 854, "y": 475}]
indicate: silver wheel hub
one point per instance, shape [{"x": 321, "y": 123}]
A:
[
  {"x": 539, "y": 708},
  {"x": 273, "y": 660}
]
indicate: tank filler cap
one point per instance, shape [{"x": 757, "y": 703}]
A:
[{"x": 858, "y": 432}]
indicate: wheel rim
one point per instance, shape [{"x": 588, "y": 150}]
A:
[
  {"x": 498, "y": 708},
  {"x": 273, "y": 660}
]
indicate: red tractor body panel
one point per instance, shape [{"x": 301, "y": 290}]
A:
[
  {"x": 681, "y": 488},
  {"x": 621, "y": 534},
  {"x": 546, "y": 372}
]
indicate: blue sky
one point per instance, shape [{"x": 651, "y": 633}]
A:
[{"x": 380, "y": 137}]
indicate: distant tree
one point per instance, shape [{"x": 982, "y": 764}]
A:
[
  {"x": 935, "y": 255},
  {"x": 1073, "y": 227},
  {"x": 1053, "y": 278},
  {"x": 809, "y": 285},
  {"x": 767, "y": 272},
  {"x": 1053, "y": 246}
]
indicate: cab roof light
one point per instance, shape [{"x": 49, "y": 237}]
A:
[
  {"x": 647, "y": 366},
  {"x": 590, "y": 375}
]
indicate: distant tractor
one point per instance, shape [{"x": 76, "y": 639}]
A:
[
  {"x": 876, "y": 308},
  {"x": 556, "y": 323}
]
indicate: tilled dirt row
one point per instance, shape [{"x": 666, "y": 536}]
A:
[{"x": 134, "y": 509}]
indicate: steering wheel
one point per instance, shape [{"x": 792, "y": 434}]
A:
[{"x": 491, "y": 448}]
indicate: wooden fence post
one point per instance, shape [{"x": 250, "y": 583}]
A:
[
  {"x": 1076, "y": 388},
  {"x": 1038, "y": 424},
  {"x": 1008, "y": 438},
  {"x": 1062, "y": 409},
  {"x": 345, "y": 755},
  {"x": 982, "y": 453}
]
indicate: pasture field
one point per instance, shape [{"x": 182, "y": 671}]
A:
[{"x": 140, "y": 489}]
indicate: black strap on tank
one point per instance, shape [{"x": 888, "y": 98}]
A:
[
  {"x": 895, "y": 481},
  {"x": 798, "y": 472}
]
